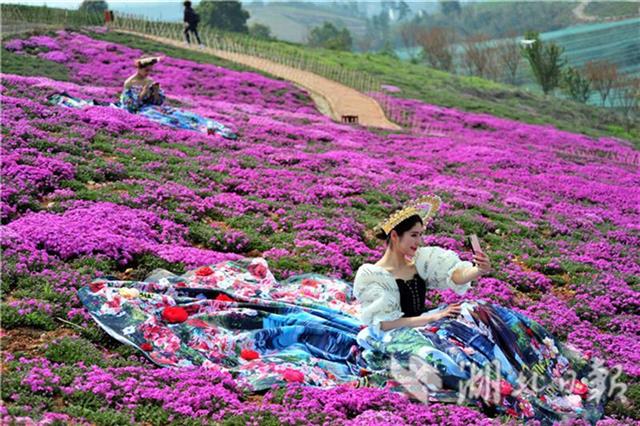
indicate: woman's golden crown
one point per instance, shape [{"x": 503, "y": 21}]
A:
[
  {"x": 425, "y": 207},
  {"x": 147, "y": 61}
]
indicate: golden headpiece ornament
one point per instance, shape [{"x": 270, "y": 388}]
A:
[
  {"x": 425, "y": 207},
  {"x": 147, "y": 61}
]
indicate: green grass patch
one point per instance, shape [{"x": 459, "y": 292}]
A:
[
  {"x": 12, "y": 318},
  {"x": 31, "y": 66},
  {"x": 70, "y": 350}
]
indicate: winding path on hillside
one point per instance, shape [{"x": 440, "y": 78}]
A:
[
  {"x": 332, "y": 98},
  {"x": 579, "y": 12}
]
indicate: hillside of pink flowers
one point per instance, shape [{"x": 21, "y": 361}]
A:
[{"x": 92, "y": 192}]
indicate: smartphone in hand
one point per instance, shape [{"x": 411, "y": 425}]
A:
[{"x": 474, "y": 243}]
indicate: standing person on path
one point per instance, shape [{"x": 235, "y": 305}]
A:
[{"x": 191, "y": 20}]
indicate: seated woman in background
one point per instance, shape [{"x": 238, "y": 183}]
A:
[
  {"x": 139, "y": 89},
  {"x": 143, "y": 96}
]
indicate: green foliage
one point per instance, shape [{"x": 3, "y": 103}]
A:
[
  {"x": 628, "y": 408},
  {"x": 88, "y": 265},
  {"x": 224, "y": 15},
  {"x": 260, "y": 31},
  {"x": 36, "y": 319},
  {"x": 70, "y": 350},
  {"x": 27, "y": 404},
  {"x": 93, "y": 6},
  {"x": 11, "y": 379},
  {"x": 9, "y": 276},
  {"x": 200, "y": 233},
  {"x": 545, "y": 61},
  {"x": 28, "y": 287},
  {"x": 577, "y": 86},
  {"x": 152, "y": 414},
  {"x": 612, "y": 9},
  {"x": 388, "y": 51},
  {"x": 144, "y": 264},
  {"x": 264, "y": 418},
  {"x": 330, "y": 37},
  {"x": 91, "y": 408},
  {"x": 28, "y": 65},
  {"x": 449, "y": 7},
  {"x": 498, "y": 19}
]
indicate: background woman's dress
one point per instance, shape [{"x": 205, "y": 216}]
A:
[
  {"x": 163, "y": 114},
  {"x": 170, "y": 116}
]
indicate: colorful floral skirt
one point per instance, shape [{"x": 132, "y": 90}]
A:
[
  {"x": 163, "y": 114},
  {"x": 235, "y": 316}
]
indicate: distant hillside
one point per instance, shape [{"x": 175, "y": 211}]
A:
[
  {"x": 615, "y": 41},
  {"x": 613, "y": 9},
  {"x": 292, "y": 21},
  {"x": 420, "y": 82}
]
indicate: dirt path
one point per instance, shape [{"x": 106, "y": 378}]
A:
[
  {"x": 332, "y": 98},
  {"x": 579, "y": 13}
]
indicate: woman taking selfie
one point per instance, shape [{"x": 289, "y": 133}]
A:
[
  {"x": 474, "y": 349},
  {"x": 308, "y": 328}
]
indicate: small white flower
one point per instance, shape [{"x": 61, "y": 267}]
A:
[{"x": 129, "y": 330}]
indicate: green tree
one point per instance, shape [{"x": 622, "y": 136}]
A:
[
  {"x": 224, "y": 15},
  {"x": 545, "y": 60},
  {"x": 449, "y": 8},
  {"x": 93, "y": 6},
  {"x": 576, "y": 85},
  {"x": 260, "y": 31},
  {"x": 329, "y": 37}
]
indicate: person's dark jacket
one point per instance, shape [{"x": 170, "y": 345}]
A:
[{"x": 191, "y": 17}]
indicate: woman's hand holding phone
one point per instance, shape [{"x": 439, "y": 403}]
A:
[{"x": 479, "y": 257}]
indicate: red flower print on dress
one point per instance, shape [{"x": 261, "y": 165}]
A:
[
  {"x": 174, "y": 314},
  {"x": 114, "y": 303},
  {"x": 580, "y": 388},
  {"x": 195, "y": 322},
  {"x": 258, "y": 270},
  {"x": 204, "y": 271},
  {"x": 309, "y": 282},
  {"x": 291, "y": 375},
  {"x": 146, "y": 346},
  {"x": 224, "y": 298},
  {"x": 97, "y": 286},
  {"x": 505, "y": 388},
  {"x": 249, "y": 354}
]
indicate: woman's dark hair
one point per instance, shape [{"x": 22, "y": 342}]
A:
[{"x": 400, "y": 228}]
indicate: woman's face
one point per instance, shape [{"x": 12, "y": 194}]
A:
[
  {"x": 144, "y": 72},
  {"x": 408, "y": 243}
]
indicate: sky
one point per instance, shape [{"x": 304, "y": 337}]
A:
[{"x": 73, "y": 4}]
